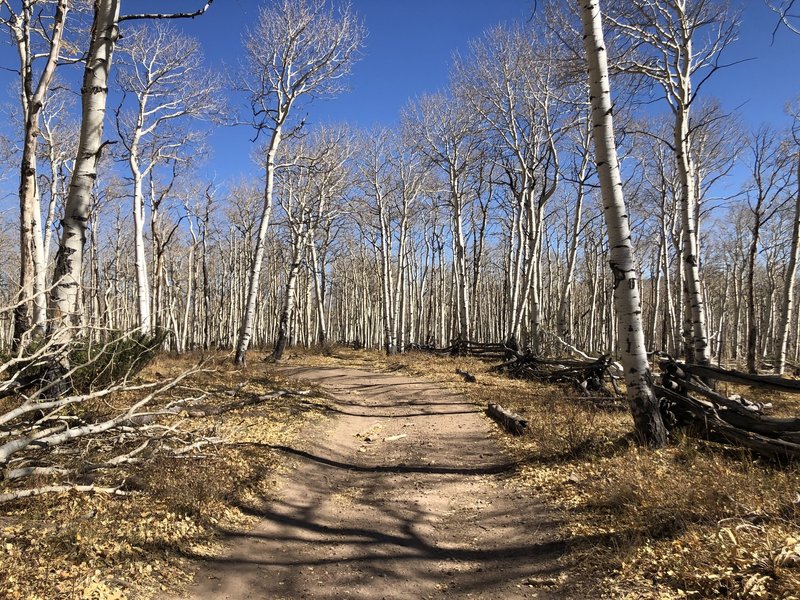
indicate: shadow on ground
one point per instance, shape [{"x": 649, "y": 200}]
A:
[{"x": 422, "y": 506}]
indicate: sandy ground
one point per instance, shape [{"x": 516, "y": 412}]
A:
[{"x": 403, "y": 495}]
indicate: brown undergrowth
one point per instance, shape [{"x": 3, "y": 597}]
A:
[
  {"x": 92, "y": 545},
  {"x": 693, "y": 520}
]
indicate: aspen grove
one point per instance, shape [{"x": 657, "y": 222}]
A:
[{"x": 486, "y": 214}]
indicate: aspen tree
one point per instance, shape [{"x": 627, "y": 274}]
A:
[
  {"x": 23, "y": 23},
  {"x": 307, "y": 189},
  {"x": 627, "y": 302},
  {"x": 445, "y": 132},
  {"x": 665, "y": 46},
  {"x": 787, "y": 301},
  {"x": 298, "y": 48},
  {"x": 769, "y": 164},
  {"x": 67, "y": 278},
  {"x": 377, "y": 183},
  {"x": 580, "y": 176},
  {"x": 162, "y": 70},
  {"x": 509, "y": 82},
  {"x": 68, "y": 274}
]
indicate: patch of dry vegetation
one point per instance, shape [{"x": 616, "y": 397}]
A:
[
  {"x": 89, "y": 545},
  {"x": 693, "y": 520}
]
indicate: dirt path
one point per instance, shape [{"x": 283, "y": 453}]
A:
[{"x": 404, "y": 495}]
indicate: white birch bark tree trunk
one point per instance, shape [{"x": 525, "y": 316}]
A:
[
  {"x": 695, "y": 298},
  {"x": 140, "y": 257},
  {"x": 67, "y": 277},
  {"x": 31, "y": 310},
  {"x": 787, "y": 301},
  {"x": 644, "y": 406},
  {"x": 254, "y": 275}
]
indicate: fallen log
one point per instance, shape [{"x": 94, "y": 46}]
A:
[
  {"x": 686, "y": 400},
  {"x": 485, "y": 351},
  {"x": 511, "y": 422},
  {"x": 468, "y": 377},
  {"x": 773, "y": 382},
  {"x": 710, "y": 424},
  {"x": 587, "y": 376},
  {"x": 736, "y": 404},
  {"x": 201, "y": 410}
]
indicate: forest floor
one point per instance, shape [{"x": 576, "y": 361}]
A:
[{"x": 380, "y": 477}]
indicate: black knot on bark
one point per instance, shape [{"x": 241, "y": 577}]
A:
[{"x": 96, "y": 89}]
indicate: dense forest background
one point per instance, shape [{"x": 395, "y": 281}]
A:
[{"x": 477, "y": 216}]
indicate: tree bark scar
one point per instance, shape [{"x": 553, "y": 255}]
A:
[{"x": 619, "y": 275}]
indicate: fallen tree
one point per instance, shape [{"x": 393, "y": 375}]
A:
[
  {"x": 511, "y": 422},
  {"x": 588, "y": 376},
  {"x": 482, "y": 350},
  {"x": 44, "y": 437},
  {"x": 688, "y": 402}
]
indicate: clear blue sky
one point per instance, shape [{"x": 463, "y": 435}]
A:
[
  {"x": 410, "y": 44},
  {"x": 408, "y": 51}
]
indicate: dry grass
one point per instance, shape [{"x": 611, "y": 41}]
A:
[
  {"x": 693, "y": 520},
  {"x": 88, "y": 545}
]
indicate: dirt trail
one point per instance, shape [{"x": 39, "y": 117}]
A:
[{"x": 403, "y": 495}]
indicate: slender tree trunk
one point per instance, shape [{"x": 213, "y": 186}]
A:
[
  {"x": 656, "y": 304},
  {"x": 33, "y": 266},
  {"x": 319, "y": 294},
  {"x": 55, "y": 175},
  {"x": 515, "y": 259},
  {"x": 387, "y": 281},
  {"x": 289, "y": 302},
  {"x": 462, "y": 279},
  {"x": 246, "y": 330},
  {"x": 564, "y": 323},
  {"x": 140, "y": 258},
  {"x": 644, "y": 406},
  {"x": 67, "y": 279},
  {"x": 189, "y": 301},
  {"x": 98, "y": 293},
  {"x": 787, "y": 303},
  {"x": 402, "y": 276},
  {"x": 528, "y": 225},
  {"x": 691, "y": 259},
  {"x": 206, "y": 286},
  {"x": 752, "y": 318}
]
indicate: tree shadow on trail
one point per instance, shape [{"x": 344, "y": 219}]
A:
[
  {"x": 432, "y": 515},
  {"x": 333, "y": 407},
  {"x": 303, "y": 550},
  {"x": 498, "y": 469}
]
